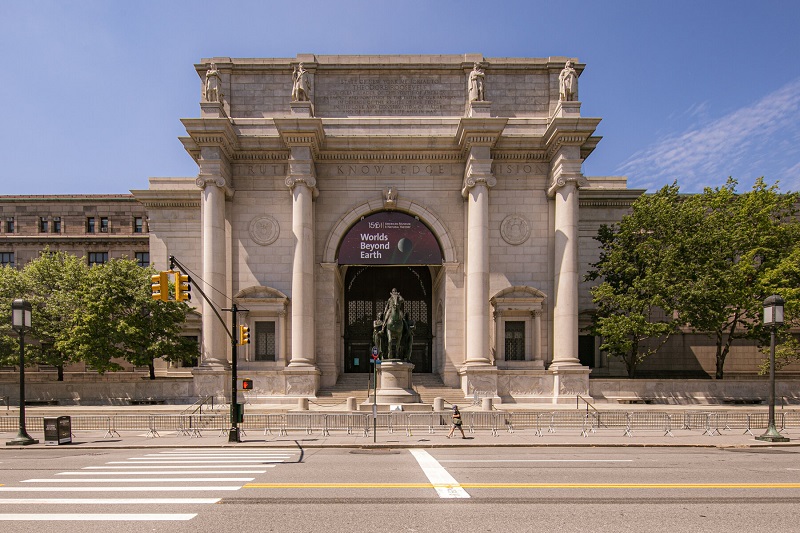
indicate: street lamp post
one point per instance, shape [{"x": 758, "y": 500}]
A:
[
  {"x": 773, "y": 317},
  {"x": 20, "y": 322}
]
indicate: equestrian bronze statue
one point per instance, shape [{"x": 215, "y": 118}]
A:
[{"x": 393, "y": 330}]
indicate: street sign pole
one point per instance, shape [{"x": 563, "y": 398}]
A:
[{"x": 375, "y": 395}]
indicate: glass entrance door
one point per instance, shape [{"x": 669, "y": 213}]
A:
[{"x": 366, "y": 290}]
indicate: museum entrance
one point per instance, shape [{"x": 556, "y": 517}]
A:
[{"x": 366, "y": 290}]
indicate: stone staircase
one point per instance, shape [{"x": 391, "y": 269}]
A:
[{"x": 429, "y": 386}]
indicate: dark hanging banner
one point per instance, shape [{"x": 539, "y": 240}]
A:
[{"x": 389, "y": 238}]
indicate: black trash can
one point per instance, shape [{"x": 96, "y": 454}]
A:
[{"x": 57, "y": 431}]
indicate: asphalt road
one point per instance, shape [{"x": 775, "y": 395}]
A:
[{"x": 399, "y": 490}]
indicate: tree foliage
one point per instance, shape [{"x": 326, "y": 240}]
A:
[
  {"x": 120, "y": 320},
  {"x": 99, "y": 315},
  {"x": 53, "y": 284},
  {"x": 708, "y": 259},
  {"x": 633, "y": 309}
]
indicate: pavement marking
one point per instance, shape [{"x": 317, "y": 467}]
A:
[
  {"x": 338, "y": 486},
  {"x": 94, "y": 517},
  {"x": 131, "y": 467},
  {"x": 203, "y": 462},
  {"x": 142, "y": 480},
  {"x": 445, "y": 484},
  {"x": 525, "y": 485},
  {"x": 164, "y": 472},
  {"x": 107, "y": 501},
  {"x": 120, "y": 489},
  {"x": 536, "y": 460}
]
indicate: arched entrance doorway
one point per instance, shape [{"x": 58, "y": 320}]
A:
[
  {"x": 366, "y": 290},
  {"x": 382, "y": 251}
]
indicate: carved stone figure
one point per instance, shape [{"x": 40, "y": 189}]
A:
[
  {"x": 393, "y": 330},
  {"x": 211, "y": 91},
  {"x": 300, "y": 84},
  {"x": 568, "y": 83},
  {"x": 475, "y": 84}
]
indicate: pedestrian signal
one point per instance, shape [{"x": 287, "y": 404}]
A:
[
  {"x": 244, "y": 335},
  {"x": 245, "y": 384},
  {"x": 160, "y": 286},
  {"x": 183, "y": 287}
]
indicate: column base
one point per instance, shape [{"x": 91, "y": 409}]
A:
[
  {"x": 569, "y": 382},
  {"x": 479, "y": 381},
  {"x": 301, "y": 380}
]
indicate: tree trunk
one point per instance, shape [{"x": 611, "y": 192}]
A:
[
  {"x": 60, "y": 369},
  {"x": 152, "y": 368}
]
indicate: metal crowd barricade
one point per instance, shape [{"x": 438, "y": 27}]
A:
[
  {"x": 482, "y": 420},
  {"x": 343, "y": 421},
  {"x": 419, "y": 422}
]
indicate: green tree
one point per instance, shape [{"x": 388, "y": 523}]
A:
[
  {"x": 11, "y": 287},
  {"x": 721, "y": 276},
  {"x": 54, "y": 283},
  {"x": 120, "y": 320},
  {"x": 633, "y": 299}
]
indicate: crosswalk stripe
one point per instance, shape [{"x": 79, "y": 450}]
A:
[
  {"x": 164, "y": 472},
  {"x": 107, "y": 501},
  {"x": 182, "y": 488},
  {"x": 140, "y": 480},
  {"x": 94, "y": 517}
]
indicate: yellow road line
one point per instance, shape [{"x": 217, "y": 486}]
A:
[{"x": 525, "y": 485}]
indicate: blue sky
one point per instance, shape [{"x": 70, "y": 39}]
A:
[{"x": 693, "y": 91}]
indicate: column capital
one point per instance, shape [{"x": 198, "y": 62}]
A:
[
  {"x": 564, "y": 171},
  {"x": 203, "y": 181}
]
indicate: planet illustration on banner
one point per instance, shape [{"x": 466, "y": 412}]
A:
[{"x": 404, "y": 248}]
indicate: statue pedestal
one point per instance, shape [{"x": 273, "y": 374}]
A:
[
  {"x": 302, "y": 109},
  {"x": 480, "y": 109},
  {"x": 567, "y": 109},
  {"x": 395, "y": 383}
]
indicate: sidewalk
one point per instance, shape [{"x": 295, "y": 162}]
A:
[{"x": 418, "y": 438}]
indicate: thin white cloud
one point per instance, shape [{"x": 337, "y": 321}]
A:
[{"x": 745, "y": 144}]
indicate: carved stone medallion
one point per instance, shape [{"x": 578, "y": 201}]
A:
[
  {"x": 515, "y": 229},
  {"x": 264, "y": 230}
]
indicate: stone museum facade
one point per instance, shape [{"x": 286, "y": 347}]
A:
[{"x": 325, "y": 182}]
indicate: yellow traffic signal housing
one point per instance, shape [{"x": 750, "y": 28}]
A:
[
  {"x": 183, "y": 287},
  {"x": 244, "y": 335},
  {"x": 160, "y": 286}
]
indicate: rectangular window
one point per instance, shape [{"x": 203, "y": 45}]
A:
[
  {"x": 103, "y": 224},
  {"x": 98, "y": 258},
  {"x": 7, "y": 259},
  {"x": 265, "y": 341},
  {"x": 515, "y": 341},
  {"x": 138, "y": 225},
  {"x": 89, "y": 224},
  {"x": 43, "y": 225},
  {"x": 56, "y": 224},
  {"x": 143, "y": 259},
  {"x": 10, "y": 225}
]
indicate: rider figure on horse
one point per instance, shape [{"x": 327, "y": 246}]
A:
[{"x": 395, "y": 307}]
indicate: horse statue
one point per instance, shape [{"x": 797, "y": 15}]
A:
[{"x": 393, "y": 331}]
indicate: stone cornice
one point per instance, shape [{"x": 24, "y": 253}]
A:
[
  {"x": 478, "y": 132},
  {"x": 160, "y": 198},
  {"x": 43, "y": 240},
  {"x": 211, "y": 132},
  {"x": 301, "y": 132},
  {"x": 570, "y": 132}
]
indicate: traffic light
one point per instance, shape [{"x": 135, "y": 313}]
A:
[
  {"x": 160, "y": 285},
  {"x": 246, "y": 384},
  {"x": 244, "y": 335},
  {"x": 183, "y": 287}
]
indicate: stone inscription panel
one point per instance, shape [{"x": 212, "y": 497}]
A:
[{"x": 389, "y": 94}]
